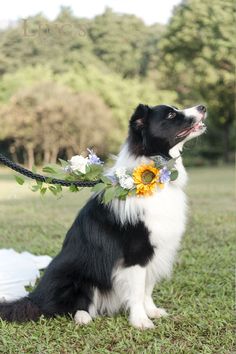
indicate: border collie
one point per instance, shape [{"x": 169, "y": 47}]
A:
[{"x": 113, "y": 255}]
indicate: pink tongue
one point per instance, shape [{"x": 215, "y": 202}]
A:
[
  {"x": 184, "y": 132},
  {"x": 195, "y": 127},
  {"x": 187, "y": 131}
]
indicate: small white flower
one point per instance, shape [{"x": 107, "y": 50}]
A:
[
  {"x": 160, "y": 160},
  {"x": 120, "y": 172},
  {"x": 126, "y": 182},
  {"x": 79, "y": 163}
]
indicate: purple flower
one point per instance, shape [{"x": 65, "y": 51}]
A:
[
  {"x": 164, "y": 175},
  {"x": 93, "y": 159}
]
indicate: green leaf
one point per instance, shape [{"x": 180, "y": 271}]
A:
[
  {"x": 106, "y": 180},
  {"x": 20, "y": 180},
  {"x": 49, "y": 169},
  {"x": 63, "y": 163},
  {"x": 73, "y": 188},
  {"x": 48, "y": 179},
  {"x": 109, "y": 194},
  {"x": 39, "y": 183},
  {"x": 35, "y": 188},
  {"x": 132, "y": 192},
  {"x": 43, "y": 191},
  {"x": 121, "y": 192},
  {"x": 77, "y": 174},
  {"x": 174, "y": 175},
  {"x": 53, "y": 189},
  {"x": 59, "y": 188},
  {"x": 93, "y": 172},
  {"x": 99, "y": 187}
]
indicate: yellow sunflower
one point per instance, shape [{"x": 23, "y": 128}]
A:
[{"x": 146, "y": 178}]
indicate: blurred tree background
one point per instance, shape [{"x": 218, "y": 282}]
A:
[{"x": 73, "y": 83}]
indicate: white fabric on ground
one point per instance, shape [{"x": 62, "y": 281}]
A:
[{"x": 18, "y": 270}]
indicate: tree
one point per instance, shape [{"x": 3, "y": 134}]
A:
[
  {"x": 197, "y": 57},
  {"x": 121, "y": 44},
  {"x": 150, "y": 52},
  {"x": 23, "y": 78},
  {"x": 48, "y": 118},
  {"x": 118, "y": 60},
  {"x": 37, "y": 41}
]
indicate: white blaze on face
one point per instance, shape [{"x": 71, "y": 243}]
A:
[
  {"x": 193, "y": 112},
  {"x": 199, "y": 126}
]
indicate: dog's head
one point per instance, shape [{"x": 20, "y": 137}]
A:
[{"x": 155, "y": 130}]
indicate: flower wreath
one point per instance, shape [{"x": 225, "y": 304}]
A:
[{"x": 141, "y": 181}]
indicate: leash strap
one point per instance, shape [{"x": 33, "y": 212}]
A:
[{"x": 37, "y": 177}]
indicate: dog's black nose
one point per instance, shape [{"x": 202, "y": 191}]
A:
[{"x": 201, "y": 109}]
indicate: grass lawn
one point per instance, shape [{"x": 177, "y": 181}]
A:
[{"x": 199, "y": 297}]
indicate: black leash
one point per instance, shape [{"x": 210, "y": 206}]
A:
[{"x": 37, "y": 177}]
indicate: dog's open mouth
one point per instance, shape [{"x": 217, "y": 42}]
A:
[{"x": 199, "y": 126}]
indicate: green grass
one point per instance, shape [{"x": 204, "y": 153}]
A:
[{"x": 199, "y": 297}]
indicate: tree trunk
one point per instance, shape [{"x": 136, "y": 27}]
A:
[
  {"x": 46, "y": 157},
  {"x": 13, "y": 153},
  {"x": 30, "y": 154},
  {"x": 54, "y": 154},
  {"x": 69, "y": 152}
]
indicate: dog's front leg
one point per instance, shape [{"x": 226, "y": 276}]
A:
[
  {"x": 151, "y": 309},
  {"x": 135, "y": 294}
]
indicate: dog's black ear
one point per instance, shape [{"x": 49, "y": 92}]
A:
[{"x": 139, "y": 116}]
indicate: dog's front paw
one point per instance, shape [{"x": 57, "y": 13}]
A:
[
  {"x": 82, "y": 317},
  {"x": 152, "y": 311},
  {"x": 156, "y": 312},
  {"x": 141, "y": 322}
]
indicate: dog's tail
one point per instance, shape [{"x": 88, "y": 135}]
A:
[{"x": 21, "y": 310}]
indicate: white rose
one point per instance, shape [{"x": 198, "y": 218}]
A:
[
  {"x": 78, "y": 163},
  {"x": 126, "y": 182}
]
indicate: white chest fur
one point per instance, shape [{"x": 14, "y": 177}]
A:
[
  {"x": 165, "y": 218},
  {"x": 163, "y": 213}
]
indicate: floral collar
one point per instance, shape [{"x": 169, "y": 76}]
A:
[{"x": 141, "y": 181}]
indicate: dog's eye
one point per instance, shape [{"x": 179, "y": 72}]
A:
[{"x": 171, "y": 115}]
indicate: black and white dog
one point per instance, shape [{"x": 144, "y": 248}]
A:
[{"x": 113, "y": 255}]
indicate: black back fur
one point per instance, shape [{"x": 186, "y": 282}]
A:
[{"x": 93, "y": 245}]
